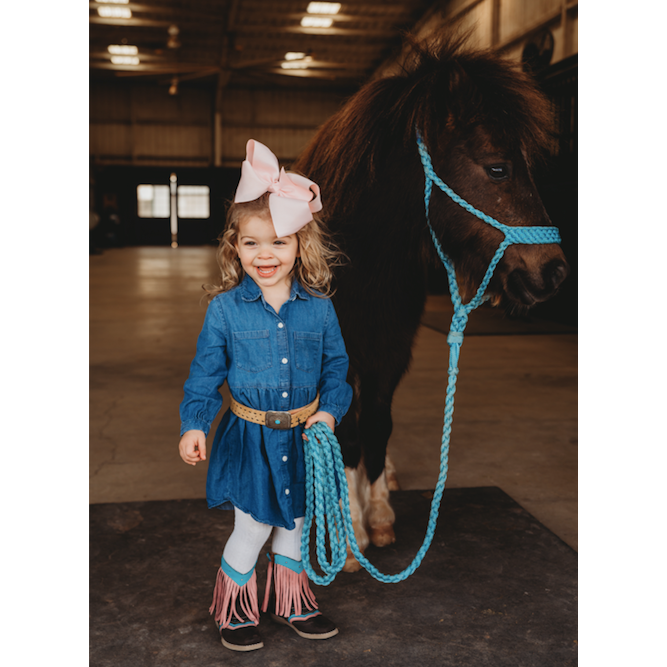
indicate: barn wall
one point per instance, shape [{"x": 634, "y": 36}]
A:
[
  {"x": 285, "y": 120},
  {"x": 141, "y": 124},
  {"x": 505, "y": 25}
]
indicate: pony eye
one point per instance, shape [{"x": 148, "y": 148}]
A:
[{"x": 498, "y": 172}]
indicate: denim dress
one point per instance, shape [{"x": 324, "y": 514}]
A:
[{"x": 271, "y": 361}]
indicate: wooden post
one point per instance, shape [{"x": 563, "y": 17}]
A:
[{"x": 223, "y": 79}]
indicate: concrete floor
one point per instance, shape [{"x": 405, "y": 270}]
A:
[{"x": 515, "y": 422}]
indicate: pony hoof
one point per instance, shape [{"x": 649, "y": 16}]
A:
[
  {"x": 383, "y": 536},
  {"x": 351, "y": 564}
]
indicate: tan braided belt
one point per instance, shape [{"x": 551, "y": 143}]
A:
[{"x": 274, "y": 418}]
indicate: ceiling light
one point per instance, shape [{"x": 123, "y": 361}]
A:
[
  {"x": 316, "y": 22},
  {"x": 302, "y": 63},
  {"x": 125, "y": 60},
  {"x": 293, "y": 55},
  {"x": 114, "y": 12},
  {"x": 114, "y": 2},
  {"x": 123, "y": 50},
  {"x": 323, "y": 8}
]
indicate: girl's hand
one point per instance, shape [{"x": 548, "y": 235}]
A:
[
  {"x": 192, "y": 447},
  {"x": 320, "y": 416}
]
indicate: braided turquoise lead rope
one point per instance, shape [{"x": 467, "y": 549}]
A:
[{"x": 325, "y": 470}]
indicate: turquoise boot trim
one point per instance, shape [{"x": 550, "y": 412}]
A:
[
  {"x": 294, "y": 565},
  {"x": 236, "y": 577}
]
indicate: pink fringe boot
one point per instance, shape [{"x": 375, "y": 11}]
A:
[
  {"x": 294, "y": 599},
  {"x": 295, "y": 603},
  {"x": 235, "y": 598}
]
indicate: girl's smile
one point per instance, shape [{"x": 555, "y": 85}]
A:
[
  {"x": 267, "y": 259},
  {"x": 267, "y": 271}
]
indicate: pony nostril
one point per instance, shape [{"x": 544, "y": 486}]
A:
[
  {"x": 520, "y": 287},
  {"x": 555, "y": 273}
]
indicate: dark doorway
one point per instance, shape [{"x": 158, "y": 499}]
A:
[{"x": 121, "y": 223}]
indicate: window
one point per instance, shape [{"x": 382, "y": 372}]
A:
[
  {"x": 193, "y": 201},
  {"x": 173, "y": 201},
  {"x": 153, "y": 201}
]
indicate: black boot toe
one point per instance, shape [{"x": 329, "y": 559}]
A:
[
  {"x": 246, "y": 638},
  {"x": 316, "y": 627}
]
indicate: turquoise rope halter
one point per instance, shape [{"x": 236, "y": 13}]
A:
[{"x": 324, "y": 461}]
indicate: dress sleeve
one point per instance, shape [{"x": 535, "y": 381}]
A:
[
  {"x": 335, "y": 392},
  {"x": 208, "y": 371}
]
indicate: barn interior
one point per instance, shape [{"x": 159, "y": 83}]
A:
[{"x": 177, "y": 87}]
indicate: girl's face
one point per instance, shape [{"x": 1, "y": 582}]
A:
[{"x": 267, "y": 259}]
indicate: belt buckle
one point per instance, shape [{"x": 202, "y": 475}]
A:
[{"x": 278, "y": 420}]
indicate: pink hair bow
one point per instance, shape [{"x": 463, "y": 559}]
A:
[{"x": 293, "y": 198}]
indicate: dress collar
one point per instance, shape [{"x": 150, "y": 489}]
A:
[
  {"x": 250, "y": 289},
  {"x": 298, "y": 290},
  {"x": 252, "y": 292}
]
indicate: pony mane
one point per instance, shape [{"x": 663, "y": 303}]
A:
[{"x": 443, "y": 84}]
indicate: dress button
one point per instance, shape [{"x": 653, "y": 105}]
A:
[
  {"x": 285, "y": 394},
  {"x": 284, "y": 458},
  {"x": 280, "y": 325},
  {"x": 284, "y": 361},
  {"x": 287, "y": 492}
]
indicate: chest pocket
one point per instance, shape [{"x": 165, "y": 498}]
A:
[
  {"x": 252, "y": 350},
  {"x": 308, "y": 350}
]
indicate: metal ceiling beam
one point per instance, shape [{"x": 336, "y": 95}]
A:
[
  {"x": 176, "y": 13},
  {"x": 324, "y": 64},
  {"x": 276, "y": 62},
  {"x": 279, "y": 44},
  {"x": 384, "y": 7},
  {"x": 305, "y": 73},
  {"x": 344, "y": 18},
  {"x": 155, "y": 23},
  {"x": 326, "y": 32},
  {"x": 157, "y": 68},
  {"x": 142, "y": 55}
]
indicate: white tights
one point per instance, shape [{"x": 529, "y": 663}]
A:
[{"x": 249, "y": 536}]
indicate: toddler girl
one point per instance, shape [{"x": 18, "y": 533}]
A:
[{"x": 273, "y": 334}]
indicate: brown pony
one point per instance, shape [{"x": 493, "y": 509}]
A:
[{"x": 484, "y": 123}]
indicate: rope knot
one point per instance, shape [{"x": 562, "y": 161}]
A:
[{"x": 455, "y": 337}]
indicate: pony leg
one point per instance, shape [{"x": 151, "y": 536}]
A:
[
  {"x": 359, "y": 490},
  {"x": 381, "y": 516},
  {"x": 375, "y": 426},
  {"x": 392, "y": 478}
]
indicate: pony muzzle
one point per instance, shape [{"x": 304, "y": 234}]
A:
[{"x": 532, "y": 287}]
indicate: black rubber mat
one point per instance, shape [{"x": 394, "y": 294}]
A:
[{"x": 496, "y": 588}]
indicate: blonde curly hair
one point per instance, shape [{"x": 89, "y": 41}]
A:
[{"x": 313, "y": 268}]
